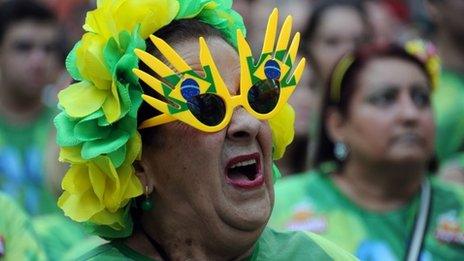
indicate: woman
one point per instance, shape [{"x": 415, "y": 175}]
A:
[
  {"x": 334, "y": 28},
  {"x": 370, "y": 192},
  {"x": 197, "y": 181}
]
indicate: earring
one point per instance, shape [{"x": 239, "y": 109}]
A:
[
  {"x": 340, "y": 151},
  {"x": 146, "y": 204}
]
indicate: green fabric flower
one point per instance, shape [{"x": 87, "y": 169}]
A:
[{"x": 219, "y": 14}]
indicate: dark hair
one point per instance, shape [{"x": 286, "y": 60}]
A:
[
  {"x": 178, "y": 31},
  {"x": 318, "y": 12},
  {"x": 349, "y": 82},
  {"x": 15, "y": 11}
]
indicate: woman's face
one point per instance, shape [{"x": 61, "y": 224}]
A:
[
  {"x": 222, "y": 180},
  {"x": 389, "y": 118},
  {"x": 340, "y": 29}
]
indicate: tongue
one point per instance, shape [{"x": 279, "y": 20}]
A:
[
  {"x": 235, "y": 175},
  {"x": 245, "y": 177}
]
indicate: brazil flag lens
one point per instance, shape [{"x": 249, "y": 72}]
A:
[
  {"x": 264, "y": 95},
  {"x": 208, "y": 108}
]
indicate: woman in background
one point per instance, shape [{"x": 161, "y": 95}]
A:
[
  {"x": 334, "y": 28},
  {"x": 371, "y": 192}
]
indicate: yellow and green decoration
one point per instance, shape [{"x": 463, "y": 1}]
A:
[{"x": 97, "y": 127}]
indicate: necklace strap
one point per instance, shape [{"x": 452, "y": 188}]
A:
[{"x": 421, "y": 222}]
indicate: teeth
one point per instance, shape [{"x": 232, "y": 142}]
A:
[{"x": 244, "y": 163}]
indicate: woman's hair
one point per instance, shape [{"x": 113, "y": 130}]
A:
[
  {"x": 348, "y": 84},
  {"x": 317, "y": 14},
  {"x": 178, "y": 31}
]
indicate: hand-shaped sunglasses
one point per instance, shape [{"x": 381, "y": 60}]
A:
[{"x": 204, "y": 102}]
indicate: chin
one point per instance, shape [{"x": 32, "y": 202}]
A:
[
  {"x": 247, "y": 215},
  {"x": 412, "y": 159}
]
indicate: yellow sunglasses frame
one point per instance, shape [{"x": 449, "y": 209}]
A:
[{"x": 250, "y": 73}]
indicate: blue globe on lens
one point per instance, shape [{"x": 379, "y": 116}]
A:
[
  {"x": 272, "y": 70},
  {"x": 189, "y": 89}
]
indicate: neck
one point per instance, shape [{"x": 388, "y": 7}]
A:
[
  {"x": 380, "y": 187},
  {"x": 18, "y": 110},
  {"x": 182, "y": 240},
  {"x": 451, "y": 52}
]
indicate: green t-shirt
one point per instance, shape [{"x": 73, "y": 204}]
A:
[
  {"x": 271, "y": 245},
  {"x": 312, "y": 202},
  {"x": 17, "y": 237},
  {"x": 448, "y": 103},
  {"x": 58, "y": 234},
  {"x": 22, "y": 150}
]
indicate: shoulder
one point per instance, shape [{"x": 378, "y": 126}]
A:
[
  {"x": 297, "y": 184},
  {"x": 105, "y": 251},
  {"x": 11, "y": 211},
  {"x": 275, "y": 245},
  {"x": 17, "y": 232},
  {"x": 113, "y": 250},
  {"x": 444, "y": 189},
  {"x": 6, "y": 201},
  {"x": 297, "y": 197}
]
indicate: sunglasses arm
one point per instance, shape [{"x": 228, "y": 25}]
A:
[{"x": 157, "y": 120}]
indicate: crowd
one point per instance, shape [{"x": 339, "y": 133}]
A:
[{"x": 232, "y": 130}]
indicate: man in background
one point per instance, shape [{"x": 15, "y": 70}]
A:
[{"x": 29, "y": 61}]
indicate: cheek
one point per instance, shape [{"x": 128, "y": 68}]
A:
[
  {"x": 370, "y": 130},
  {"x": 428, "y": 127}
]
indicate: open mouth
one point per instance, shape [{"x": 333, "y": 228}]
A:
[
  {"x": 245, "y": 171},
  {"x": 409, "y": 138}
]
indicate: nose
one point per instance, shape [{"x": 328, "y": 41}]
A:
[
  {"x": 408, "y": 110},
  {"x": 243, "y": 127}
]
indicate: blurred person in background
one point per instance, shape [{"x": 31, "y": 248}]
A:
[
  {"x": 29, "y": 60},
  {"x": 371, "y": 192},
  {"x": 447, "y": 17},
  {"x": 333, "y": 28},
  {"x": 385, "y": 25}
]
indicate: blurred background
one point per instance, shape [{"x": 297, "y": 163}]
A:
[{"x": 33, "y": 53}]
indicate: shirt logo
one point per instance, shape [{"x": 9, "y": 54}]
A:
[
  {"x": 449, "y": 229},
  {"x": 304, "y": 218}
]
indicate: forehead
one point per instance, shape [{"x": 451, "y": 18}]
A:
[
  {"x": 225, "y": 57},
  {"x": 341, "y": 20},
  {"x": 391, "y": 71},
  {"x": 30, "y": 30}
]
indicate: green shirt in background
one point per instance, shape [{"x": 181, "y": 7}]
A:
[
  {"x": 18, "y": 240},
  {"x": 22, "y": 150},
  {"x": 271, "y": 246},
  {"x": 58, "y": 234},
  {"x": 448, "y": 103},
  {"x": 312, "y": 202}
]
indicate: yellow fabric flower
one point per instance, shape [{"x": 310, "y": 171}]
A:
[
  {"x": 107, "y": 21},
  {"x": 427, "y": 53},
  {"x": 89, "y": 100},
  {"x": 283, "y": 130},
  {"x": 113, "y": 16},
  {"x": 95, "y": 190}
]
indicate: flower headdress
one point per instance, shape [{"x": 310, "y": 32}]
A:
[
  {"x": 428, "y": 54},
  {"x": 97, "y": 128}
]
